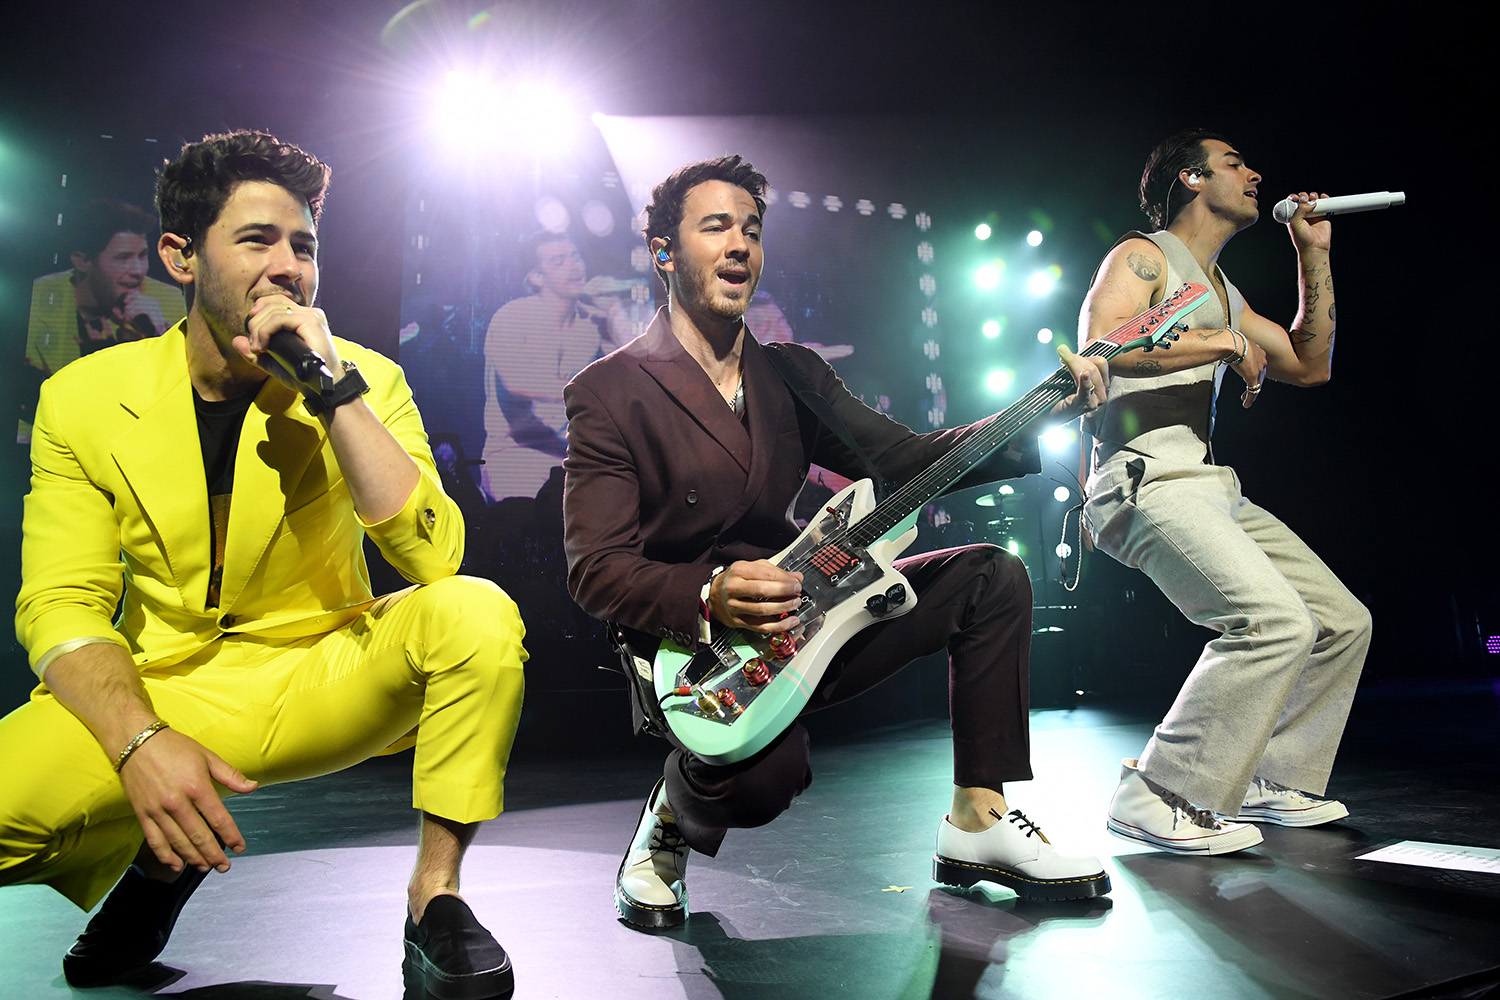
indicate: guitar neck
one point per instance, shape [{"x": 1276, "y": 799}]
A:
[
  {"x": 989, "y": 437},
  {"x": 1147, "y": 329}
]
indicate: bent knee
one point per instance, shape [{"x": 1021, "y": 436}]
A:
[
  {"x": 471, "y": 602},
  {"x": 1007, "y": 574}
]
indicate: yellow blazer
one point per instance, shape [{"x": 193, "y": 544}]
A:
[{"x": 119, "y": 505}]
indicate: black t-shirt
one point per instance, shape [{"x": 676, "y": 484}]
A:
[{"x": 219, "y": 423}]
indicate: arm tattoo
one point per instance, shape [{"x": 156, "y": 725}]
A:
[
  {"x": 1143, "y": 267},
  {"x": 1300, "y": 336},
  {"x": 1310, "y": 293},
  {"x": 1147, "y": 367}
]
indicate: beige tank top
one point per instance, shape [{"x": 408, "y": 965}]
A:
[{"x": 1166, "y": 417}]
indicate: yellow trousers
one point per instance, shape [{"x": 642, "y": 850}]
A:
[{"x": 441, "y": 662}]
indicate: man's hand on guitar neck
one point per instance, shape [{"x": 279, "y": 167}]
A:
[
  {"x": 755, "y": 595},
  {"x": 1090, "y": 376}
]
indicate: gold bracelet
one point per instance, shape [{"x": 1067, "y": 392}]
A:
[{"x": 135, "y": 744}]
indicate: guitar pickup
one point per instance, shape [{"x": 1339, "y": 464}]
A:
[{"x": 708, "y": 661}]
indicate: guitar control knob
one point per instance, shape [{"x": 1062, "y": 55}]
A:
[
  {"x": 897, "y": 594},
  {"x": 877, "y": 604},
  {"x": 783, "y": 645},
  {"x": 756, "y": 671}
]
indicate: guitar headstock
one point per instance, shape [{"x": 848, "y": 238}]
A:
[{"x": 1151, "y": 327}]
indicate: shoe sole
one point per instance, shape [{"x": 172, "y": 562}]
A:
[
  {"x": 1327, "y": 812},
  {"x": 648, "y": 917},
  {"x": 1223, "y": 843},
  {"x": 422, "y": 979},
  {"x": 965, "y": 874}
]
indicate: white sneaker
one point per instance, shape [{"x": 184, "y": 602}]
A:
[
  {"x": 651, "y": 888},
  {"x": 1148, "y": 813},
  {"x": 1015, "y": 853},
  {"x": 1268, "y": 802}
]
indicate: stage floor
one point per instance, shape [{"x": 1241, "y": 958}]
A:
[{"x": 835, "y": 899}]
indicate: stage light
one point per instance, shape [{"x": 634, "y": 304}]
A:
[
  {"x": 1014, "y": 548},
  {"x": 480, "y": 114},
  {"x": 999, "y": 381},
  {"x": 1034, "y": 238},
  {"x": 1059, "y": 439},
  {"x": 1043, "y": 282},
  {"x": 1006, "y": 490},
  {"x": 1044, "y": 336},
  {"x": 465, "y": 103},
  {"x": 982, "y": 231},
  {"x": 1062, "y": 494},
  {"x": 989, "y": 276},
  {"x": 991, "y": 328},
  {"x": 1063, "y": 550}
]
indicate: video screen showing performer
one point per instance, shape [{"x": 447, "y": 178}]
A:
[
  {"x": 104, "y": 297},
  {"x": 532, "y": 347}
]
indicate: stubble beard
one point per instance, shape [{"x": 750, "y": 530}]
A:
[
  {"x": 214, "y": 302},
  {"x": 701, "y": 295}
]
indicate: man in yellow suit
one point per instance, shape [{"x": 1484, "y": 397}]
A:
[{"x": 227, "y": 508}]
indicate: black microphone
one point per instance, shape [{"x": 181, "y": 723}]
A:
[
  {"x": 143, "y": 325},
  {"x": 303, "y": 364}
]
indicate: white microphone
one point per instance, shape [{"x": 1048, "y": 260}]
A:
[{"x": 1342, "y": 205}]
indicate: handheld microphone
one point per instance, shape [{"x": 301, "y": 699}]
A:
[
  {"x": 1342, "y": 205},
  {"x": 142, "y": 325},
  {"x": 305, "y": 366}
]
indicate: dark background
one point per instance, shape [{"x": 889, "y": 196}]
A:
[{"x": 991, "y": 110}]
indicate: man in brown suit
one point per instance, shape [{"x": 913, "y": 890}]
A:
[{"x": 686, "y": 448}]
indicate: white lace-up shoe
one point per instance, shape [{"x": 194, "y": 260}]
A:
[
  {"x": 1016, "y": 854},
  {"x": 1268, "y": 802},
  {"x": 1144, "y": 811},
  {"x": 651, "y": 889}
]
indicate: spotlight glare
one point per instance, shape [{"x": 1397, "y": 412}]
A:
[
  {"x": 480, "y": 116},
  {"x": 1062, "y": 494},
  {"x": 1006, "y": 489},
  {"x": 1041, "y": 282},
  {"x": 1063, "y": 550},
  {"x": 999, "y": 380},
  {"x": 1044, "y": 336},
  {"x": 982, "y": 231},
  {"x": 989, "y": 276},
  {"x": 1058, "y": 439},
  {"x": 1034, "y": 237},
  {"x": 991, "y": 328}
]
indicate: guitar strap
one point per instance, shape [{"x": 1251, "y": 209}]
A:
[
  {"x": 803, "y": 390},
  {"x": 646, "y": 715}
]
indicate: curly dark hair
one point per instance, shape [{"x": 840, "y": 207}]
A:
[
  {"x": 91, "y": 226},
  {"x": 664, "y": 213},
  {"x": 1174, "y": 154},
  {"x": 192, "y": 189}
]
